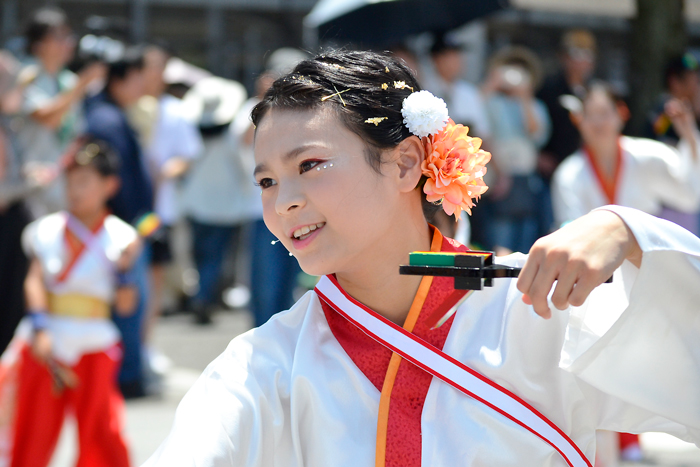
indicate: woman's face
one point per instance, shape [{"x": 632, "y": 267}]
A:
[
  {"x": 601, "y": 120},
  {"x": 320, "y": 196}
]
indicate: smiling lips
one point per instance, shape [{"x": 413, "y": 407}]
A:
[{"x": 306, "y": 231}]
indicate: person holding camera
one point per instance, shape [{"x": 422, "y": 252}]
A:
[
  {"x": 52, "y": 98},
  {"x": 520, "y": 126}
]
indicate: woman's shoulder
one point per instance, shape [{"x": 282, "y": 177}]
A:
[
  {"x": 47, "y": 230},
  {"x": 571, "y": 168},
  {"x": 267, "y": 352},
  {"x": 116, "y": 226},
  {"x": 645, "y": 148}
]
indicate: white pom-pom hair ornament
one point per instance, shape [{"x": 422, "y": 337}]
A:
[{"x": 424, "y": 114}]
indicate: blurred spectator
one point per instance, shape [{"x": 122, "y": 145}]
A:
[
  {"x": 577, "y": 55},
  {"x": 52, "y": 98},
  {"x": 218, "y": 196},
  {"x": 171, "y": 142},
  {"x": 682, "y": 80},
  {"x": 635, "y": 172},
  {"x": 519, "y": 128},
  {"x": 463, "y": 99},
  {"x": 409, "y": 58},
  {"x": 273, "y": 272},
  {"x": 107, "y": 120},
  {"x": 14, "y": 187},
  {"x": 466, "y": 106}
]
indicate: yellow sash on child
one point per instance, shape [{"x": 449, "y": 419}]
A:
[{"x": 78, "y": 306}]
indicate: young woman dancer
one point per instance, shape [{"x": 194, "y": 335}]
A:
[{"x": 348, "y": 151}]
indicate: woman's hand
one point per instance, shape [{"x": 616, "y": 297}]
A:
[
  {"x": 41, "y": 346},
  {"x": 126, "y": 299},
  {"x": 129, "y": 255},
  {"x": 579, "y": 256},
  {"x": 683, "y": 119}
]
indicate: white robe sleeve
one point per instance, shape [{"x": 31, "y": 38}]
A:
[
  {"x": 641, "y": 363},
  {"x": 568, "y": 195},
  {"x": 673, "y": 174},
  {"x": 235, "y": 413}
]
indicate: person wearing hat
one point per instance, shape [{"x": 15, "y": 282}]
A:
[
  {"x": 218, "y": 196},
  {"x": 107, "y": 120},
  {"x": 577, "y": 56},
  {"x": 519, "y": 128},
  {"x": 445, "y": 81}
]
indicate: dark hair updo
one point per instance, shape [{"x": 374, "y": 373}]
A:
[
  {"x": 366, "y": 83},
  {"x": 362, "y": 85}
]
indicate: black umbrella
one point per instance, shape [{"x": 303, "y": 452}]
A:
[{"x": 387, "y": 22}]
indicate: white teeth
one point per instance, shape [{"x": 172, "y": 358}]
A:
[{"x": 306, "y": 230}]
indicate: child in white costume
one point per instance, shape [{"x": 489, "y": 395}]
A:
[
  {"x": 353, "y": 375},
  {"x": 66, "y": 353}
]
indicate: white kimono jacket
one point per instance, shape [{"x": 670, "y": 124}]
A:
[
  {"x": 652, "y": 175},
  {"x": 92, "y": 275},
  {"x": 288, "y": 394}
]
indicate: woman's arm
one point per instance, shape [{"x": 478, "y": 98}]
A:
[
  {"x": 37, "y": 306},
  {"x": 126, "y": 296},
  {"x": 51, "y": 114},
  {"x": 579, "y": 257}
]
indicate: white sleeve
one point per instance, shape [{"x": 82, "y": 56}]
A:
[
  {"x": 544, "y": 124},
  {"x": 674, "y": 176},
  {"x": 482, "y": 124},
  {"x": 567, "y": 202},
  {"x": 29, "y": 239},
  {"x": 635, "y": 344},
  {"x": 191, "y": 145},
  {"x": 230, "y": 417}
]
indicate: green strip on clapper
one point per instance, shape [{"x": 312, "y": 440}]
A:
[{"x": 428, "y": 258}]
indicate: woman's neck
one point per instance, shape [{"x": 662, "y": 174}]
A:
[
  {"x": 375, "y": 279},
  {"x": 605, "y": 155},
  {"x": 92, "y": 219}
]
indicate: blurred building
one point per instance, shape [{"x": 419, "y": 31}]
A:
[
  {"x": 608, "y": 20},
  {"x": 228, "y": 37},
  {"x": 232, "y": 37}
]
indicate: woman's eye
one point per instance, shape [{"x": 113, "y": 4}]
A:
[
  {"x": 265, "y": 183},
  {"x": 305, "y": 166}
]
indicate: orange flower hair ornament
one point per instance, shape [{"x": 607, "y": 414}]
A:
[{"x": 454, "y": 164}]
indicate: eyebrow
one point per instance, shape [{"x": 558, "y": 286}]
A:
[{"x": 289, "y": 156}]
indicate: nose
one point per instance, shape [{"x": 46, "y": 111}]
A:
[{"x": 290, "y": 197}]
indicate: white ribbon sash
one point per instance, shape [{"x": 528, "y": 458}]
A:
[
  {"x": 88, "y": 238},
  {"x": 449, "y": 370}
]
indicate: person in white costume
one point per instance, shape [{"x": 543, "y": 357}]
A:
[
  {"x": 66, "y": 352},
  {"x": 352, "y": 374},
  {"x": 636, "y": 172}
]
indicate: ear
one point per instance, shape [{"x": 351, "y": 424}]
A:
[
  {"x": 576, "y": 118},
  {"x": 410, "y": 155},
  {"x": 113, "y": 185}
]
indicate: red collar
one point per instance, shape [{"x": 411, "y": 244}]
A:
[
  {"x": 76, "y": 248},
  {"x": 608, "y": 185}
]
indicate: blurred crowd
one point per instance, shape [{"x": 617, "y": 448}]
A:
[{"x": 184, "y": 140}]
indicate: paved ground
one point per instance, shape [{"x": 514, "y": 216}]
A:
[{"x": 191, "y": 348}]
